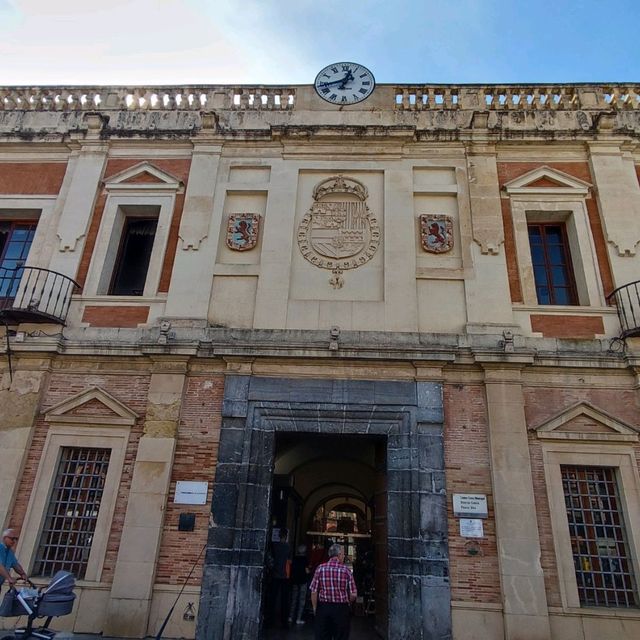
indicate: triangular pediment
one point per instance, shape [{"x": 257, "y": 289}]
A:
[
  {"x": 582, "y": 421},
  {"x": 93, "y": 406},
  {"x": 144, "y": 178},
  {"x": 143, "y": 175},
  {"x": 547, "y": 180}
]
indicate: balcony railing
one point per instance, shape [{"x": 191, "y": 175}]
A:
[
  {"x": 31, "y": 294},
  {"x": 627, "y": 301}
]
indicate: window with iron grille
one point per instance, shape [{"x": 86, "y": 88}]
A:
[
  {"x": 604, "y": 574},
  {"x": 65, "y": 542}
]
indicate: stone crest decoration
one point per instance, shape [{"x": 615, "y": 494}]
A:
[
  {"x": 339, "y": 231},
  {"x": 242, "y": 231},
  {"x": 436, "y": 233}
]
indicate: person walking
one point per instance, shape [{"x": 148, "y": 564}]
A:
[
  {"x": 299, "y": 580},
  {"x": 8, "y": 558},
  {"x": 279, "y": 593},
  {"x": 332, "y": 590}
]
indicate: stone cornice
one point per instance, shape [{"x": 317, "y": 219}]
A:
[{"x": 237, "y": 345}]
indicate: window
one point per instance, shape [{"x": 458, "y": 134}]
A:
[
  {"x": 15, "y": 241},
  {"x": 599, "y": 545},
  {"x": 131, "y": 245},
  {"x": 134, "y": 255},
  {"x": 72, "y": 514},
  {"x": 551, "y": 260}
]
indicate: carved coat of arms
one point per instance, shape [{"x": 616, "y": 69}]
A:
[
  {"x": 242, "y": 231},
  {"x": 339, "y": 232},
  {"x": 436, "y": 233}
]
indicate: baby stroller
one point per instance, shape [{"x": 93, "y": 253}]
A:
[{"x": 56, "y": 599}]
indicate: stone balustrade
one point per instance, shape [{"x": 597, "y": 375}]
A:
[
  {"x": 407, "y": 97},
  {"x": 517, "y": 97},
  {"x": 145, "y": 98}
]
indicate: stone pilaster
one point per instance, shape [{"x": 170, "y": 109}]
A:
[
  {"x": 524, "y": 598},
  {"x": 190, "y": 288},
  {"x": 487, "y": 293},
  {"x": 618, "y": 195},
  {"x": 132, "y": 588},
  {"x": 275, "y": 271},
  {"x": 19, "y": 400},
  {"x": 75, "y": 205}
]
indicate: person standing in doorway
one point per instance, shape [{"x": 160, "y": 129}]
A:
[
  {"x": 281, "y": 552},
  {"x": 299, "y": 580},
  {"x": 333, "y": 589},
  {"x": 8, "y": 558}
]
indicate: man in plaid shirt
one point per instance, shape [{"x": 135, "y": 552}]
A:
[{"x": 332, "y": 589}]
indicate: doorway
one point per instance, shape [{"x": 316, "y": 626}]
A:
[
  {"x": 327, "y": 489},
  {"x": 258, "y": 411}
]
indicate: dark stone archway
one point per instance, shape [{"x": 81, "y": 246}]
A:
[{"x": 409, "y": 415}]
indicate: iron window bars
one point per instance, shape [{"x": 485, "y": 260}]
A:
[
  {"x": 598, "y": 539},
  {"x": 65, "y": 541}
]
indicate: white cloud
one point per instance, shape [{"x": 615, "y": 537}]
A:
[{"x": 140, "y": 41}]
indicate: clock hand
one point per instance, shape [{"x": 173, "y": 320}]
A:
[
  {"x": 346, "y": 79},
  {"x": 329, "y": 84}
]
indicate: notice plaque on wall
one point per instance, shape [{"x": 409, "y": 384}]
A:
[
  {"x": 470, "y": 505},
  {"x": 188, "y": 492},
  {"x": 471, "y": 528}
]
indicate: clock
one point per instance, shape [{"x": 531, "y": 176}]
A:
[{"x": 344, "y": 83}]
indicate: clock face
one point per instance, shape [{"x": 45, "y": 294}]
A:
[{"x": 345, "y": 83}]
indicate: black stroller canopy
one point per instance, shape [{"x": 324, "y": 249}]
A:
[{"x": 62, "y": 583}]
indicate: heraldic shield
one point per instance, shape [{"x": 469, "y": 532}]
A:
[
  {"x": 242, "y": 231},
  {"x": 436, "y": 233},
  {"x": 339, "y": 234}
]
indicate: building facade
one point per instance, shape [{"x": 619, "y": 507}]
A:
[{"x": 229, "y": 310}]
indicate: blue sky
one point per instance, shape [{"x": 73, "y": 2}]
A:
[{"x": 288, "y": 41}]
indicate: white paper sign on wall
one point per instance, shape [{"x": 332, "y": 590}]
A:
[
  {"x": 471, "y": 528},
  {"x": 471, "y": 505},
  {"x": 189, "y": 492}
]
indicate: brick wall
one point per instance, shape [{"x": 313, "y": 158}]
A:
[
  {"x": 195, "y": 459},
  {"x": 473, "y": 578},
  {"x": 542, "y": 403},
  {"x": 115, "y": 316},
  {"x": 513, "y": 269},
  {"x": 132, "y": 390},
  {"x": 563, "y": 326},
  {"x": 31, "y": 178}
]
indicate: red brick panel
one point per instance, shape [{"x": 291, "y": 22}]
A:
[
  {"x": 513, "y": 269},
  {"x": 474, "y": 578},
  {"x": 508, "y": 171},
  {"x": 567, "y": 326},
  {"x": 176, "y": 167},
  {"x": 115, "y": 316},
  {"x": 595, "y": 222},
  {"x": 172, "y": 245},
  {"x": 32, "y": 178},
  {"x": 90, "y": 242},
  {"x": 195, "y": 459}
]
